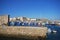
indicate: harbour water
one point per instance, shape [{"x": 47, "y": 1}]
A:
[{"x": 53, "y": 36}]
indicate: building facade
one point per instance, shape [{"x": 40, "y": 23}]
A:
[{"x": 4, "y": 19}]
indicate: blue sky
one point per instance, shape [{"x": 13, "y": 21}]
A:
[{"x": 49, "y": 9}]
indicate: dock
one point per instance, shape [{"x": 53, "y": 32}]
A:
[{"x": 23, "y": 32}]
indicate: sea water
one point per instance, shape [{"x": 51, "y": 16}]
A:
[{"x": 51, "y": 35}]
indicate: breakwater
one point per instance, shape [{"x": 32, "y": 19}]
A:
[{"x": 23, "y": 32}]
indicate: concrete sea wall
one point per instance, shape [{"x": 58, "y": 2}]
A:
[{"x": 21, "y": 31}]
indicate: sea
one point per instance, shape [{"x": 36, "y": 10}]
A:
[{"x": 51, "y": 35}]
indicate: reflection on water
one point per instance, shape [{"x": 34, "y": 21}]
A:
[{"x": 54, "y": 36}]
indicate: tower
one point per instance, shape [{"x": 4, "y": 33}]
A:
[{"x": 4, "y": 19}]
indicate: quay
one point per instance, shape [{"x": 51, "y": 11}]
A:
[{"x": 23, "y": 32}]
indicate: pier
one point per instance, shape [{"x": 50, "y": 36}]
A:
[{"x": 23, "y": 32}]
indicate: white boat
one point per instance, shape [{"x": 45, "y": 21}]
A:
[
  {"x": 49, "y": 31},
  {"x": 54, "y": 31}
]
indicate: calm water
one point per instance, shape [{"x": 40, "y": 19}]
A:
[{"x": 53, "y": 36}]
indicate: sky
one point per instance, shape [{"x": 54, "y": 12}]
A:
[{"x": 49, "y": 9}]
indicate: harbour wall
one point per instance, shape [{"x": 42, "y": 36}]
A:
[{"x": 23, "y": 31}]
